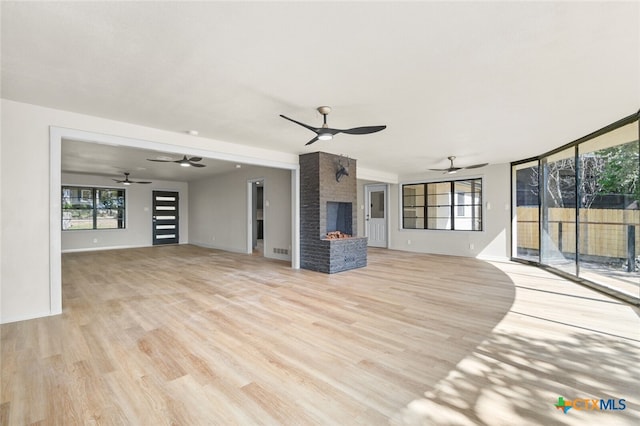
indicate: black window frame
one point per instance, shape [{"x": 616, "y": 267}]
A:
[
  {"x": 453, "y": 205},
  {"x": 95, "y": 206}
]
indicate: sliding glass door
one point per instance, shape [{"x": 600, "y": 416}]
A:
[
  {"x": 558, "y": 214},
  {"x": 526, "y": 212},
  {"x": 609, "y": 243},
  {"x": 588, "y": 220}
]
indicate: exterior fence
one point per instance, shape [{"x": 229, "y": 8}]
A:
[{"x": 606, "y": 233}]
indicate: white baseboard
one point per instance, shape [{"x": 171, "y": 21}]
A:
[
  {"x": 103, "y": 248},
  {"x": 219, "y": 247},
  {"x": 27, "y": 317}
]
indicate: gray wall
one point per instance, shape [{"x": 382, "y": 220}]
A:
[
  {"x": 138, "y": 215},
  {"x": 219, "y": 217}
]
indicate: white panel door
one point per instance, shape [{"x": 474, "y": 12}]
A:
[{"x": 376, "y": 215}]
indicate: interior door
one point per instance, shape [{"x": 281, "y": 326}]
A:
[
  {"x": 376, "y": 215},
  {"x": 165, "y": 217}
]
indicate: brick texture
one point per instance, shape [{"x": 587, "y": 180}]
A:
[{"x": 318, "y": 185}]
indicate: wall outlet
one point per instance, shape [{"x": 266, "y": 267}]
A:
[
  {"x": 408, "y": 242},
  {"x": 95, "y": 240},
  {"x": 471, "y": 246}
]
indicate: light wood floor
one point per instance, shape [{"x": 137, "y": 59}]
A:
[{"x": 192, "y": 336}]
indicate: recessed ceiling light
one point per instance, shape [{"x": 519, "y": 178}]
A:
[{"x": 193, "y": 132}]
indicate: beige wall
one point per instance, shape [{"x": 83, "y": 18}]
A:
[{"x": 219, "y": 210}]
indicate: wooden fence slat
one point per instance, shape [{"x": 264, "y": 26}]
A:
[{"x": 603, "y": 232}]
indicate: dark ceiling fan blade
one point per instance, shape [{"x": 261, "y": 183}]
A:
[
  {"x": 312, "y": 141},
  {"x": 160, "y": 161},
  {"x": 448, "y": 169},
  {"x": 118, "y": 181},
  {"x": 476, "y": 166},
  {"x": 363, "y": 130},
  {"x": 195, "y": 159},
  {"x": 313, "y": 129},
  {"x": 197, "y": 165},
  {"x": 142, "y": 182}
]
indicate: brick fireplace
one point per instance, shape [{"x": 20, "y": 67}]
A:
[{"x": 328, "y": 215}]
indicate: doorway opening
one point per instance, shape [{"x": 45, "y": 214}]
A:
[{"x": 257, "y": 214}]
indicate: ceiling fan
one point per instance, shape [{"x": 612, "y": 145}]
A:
[
  {"x": 326, "y": 133},
  {"x": 184, "y": 162},
  {"x": 126, "y": 180},
  {"x": 451, "y": 169}
]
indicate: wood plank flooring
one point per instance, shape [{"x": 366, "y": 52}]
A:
[{"x": 191, "y": 336}]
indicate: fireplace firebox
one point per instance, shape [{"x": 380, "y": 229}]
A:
[{"x": 339, "y": 217}]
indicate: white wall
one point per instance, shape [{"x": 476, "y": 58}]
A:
[
  {"x": 29, "y": 249},
  {"x": 219, "y": 213},
  {"x": 27, "y": 246},
  {"x": 138, "y": 215},
  {"x": 491, "y": 243}
]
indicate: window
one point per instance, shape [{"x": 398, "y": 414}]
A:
[
  {"x": 577, "y": 209},
  {"x": 450, "y": 205},
  {"x": 92, "y": 208}
]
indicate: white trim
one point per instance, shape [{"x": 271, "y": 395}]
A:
[
  {"x": 387, "y": 213},
  {"x": 27, "y": 317},
  {"x": 57, "y": 134},
  {"x": 80, "y": 250},
  {"x": 295, "y": 215},
  {"x": 250, "y": 185},
  {"x": 216, "y": 247},
  {"x": 55, "y": 221},
  {"x": 84, "y": 136},
  {"x": 375, "y": 175}
]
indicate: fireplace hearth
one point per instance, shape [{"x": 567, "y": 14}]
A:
[
  {"x": 328, "y": 217},
  {"x": 336, "y": 235}
]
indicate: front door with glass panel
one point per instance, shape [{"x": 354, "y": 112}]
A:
[
  {"x": 376, "y": 215},
  {"x": 165, "y": 217}
]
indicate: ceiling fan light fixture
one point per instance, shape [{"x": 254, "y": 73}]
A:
[
  {"x": 126, "y": 183},
  {"x": 185, "y": 164},
  {"x": 451, "y": 172},
  {"x": 326, "y": 133}
]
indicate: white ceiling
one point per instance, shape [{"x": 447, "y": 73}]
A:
[
  {"x": 484, "y": 81},
  {"x": 112, "y": 160}
]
